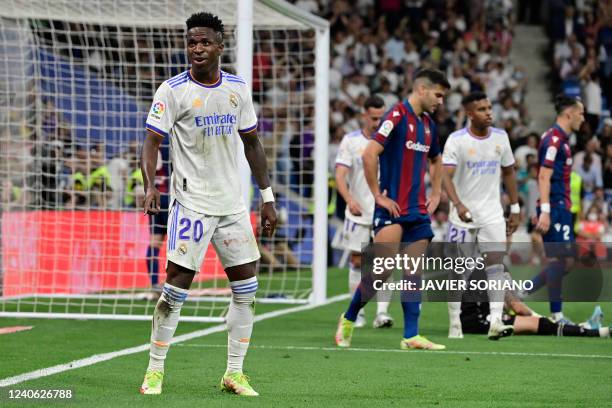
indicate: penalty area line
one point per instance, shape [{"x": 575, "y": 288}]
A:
[
  {"x": 99, "y": 358},
  {"x": 413, "y": 352}
]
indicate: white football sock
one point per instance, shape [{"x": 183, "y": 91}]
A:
[
  {"x": 165, "y": 319},
  {"x": 454, "y": 312},
  {"x": 240, "y": 322},
  {"x": 557, "y": 316},
  {"x": 354, "y": 278},
  {"x": 495, "y": 273}
]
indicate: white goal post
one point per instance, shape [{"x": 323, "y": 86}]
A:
[{"x": 77, "y": 81}]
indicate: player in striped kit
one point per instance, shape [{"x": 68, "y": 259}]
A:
[
  {"x": 403, "y": 145},
  {"x": 203, "y": 111},
  {"x": 554, "y": 216},
  {"x": 357, "y": 229}
]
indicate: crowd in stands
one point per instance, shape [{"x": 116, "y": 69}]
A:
[
  {"x": 376, "y": 47},
  {"x": 580, "y": 35}
]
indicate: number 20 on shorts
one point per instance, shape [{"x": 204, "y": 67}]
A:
[{"x": 186, "y": 233}]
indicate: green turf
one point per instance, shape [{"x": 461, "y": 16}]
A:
[{"x": 293, "y": 363}]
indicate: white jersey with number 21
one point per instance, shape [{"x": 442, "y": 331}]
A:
[{"x": 478, "y": 163}]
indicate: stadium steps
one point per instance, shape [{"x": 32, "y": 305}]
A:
[{"x": 528, "y": 49}]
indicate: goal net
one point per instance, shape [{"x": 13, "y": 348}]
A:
[{"x": 77, "y": 82}]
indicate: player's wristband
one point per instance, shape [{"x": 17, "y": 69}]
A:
[
  {"x": 267, "y": 195},
  {"x": 515, "y": 208},
  {"x": 545, "y": 208}
]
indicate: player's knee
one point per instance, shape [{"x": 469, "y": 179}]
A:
[
  {"x": 171, "y": 299},
  {"x": 243, "y": 291}
]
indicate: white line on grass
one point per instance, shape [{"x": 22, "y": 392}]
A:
[
  {"x": 98, "y": 358},
  {"x": 415, "y": 352}
]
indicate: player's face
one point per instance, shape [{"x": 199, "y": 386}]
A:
[
  {"x": 204, "y": 46},
  {"x": 432, "y": 96},
  {"x": 481, "y": 113},
  {"x": 371, "y": 118},
  {"x": 576, "y": 115}
]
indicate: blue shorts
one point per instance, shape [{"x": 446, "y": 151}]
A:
[
  {"x": 413, "y": 228},
  {"x": 560, "y": 235},
  {"x": 159, "y": 222}
]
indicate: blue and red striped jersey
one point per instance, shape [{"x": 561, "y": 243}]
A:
[
  {"x": 554, "y": 153},
  {"x": 409, "y": 141}
]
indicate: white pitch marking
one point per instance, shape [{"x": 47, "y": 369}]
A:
[
  {"x": 98, "y": 358},
  {"x": 415, "y": 352}
]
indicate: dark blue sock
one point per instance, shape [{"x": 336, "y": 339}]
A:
[
  {"x": 539, "y": 280},
  {"x": 365, "y": 291},
  {"x": 153, "y": 264},
  {"x": 355, "y": 306},
  {"x": 556, "y": 270},
  {"x": 411, "y": 305},
  {"x": 412, "y": 311}
]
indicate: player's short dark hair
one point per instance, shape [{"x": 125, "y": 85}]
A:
[
  {"x": 204, "y": 19},
  {"x": 373, "y": 101},
  {"x": 562, "y": 102},
  {"x": 434, "y": 76},
  {"x": 473, "y": 97}
]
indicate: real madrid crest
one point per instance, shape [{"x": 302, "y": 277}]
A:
[
  {"x": 182, "y": 249},
  {"x": 497, "y": 149},
  {"x": 233, "y": 100}
]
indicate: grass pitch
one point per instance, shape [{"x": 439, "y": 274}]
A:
[{"x": 293, "y": 363}]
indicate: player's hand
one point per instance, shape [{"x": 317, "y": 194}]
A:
[
  {"x": 464, "y": 213},
  {"x": 268, "y": 218},
  {"x": 512, "y": 224},
  {"x": 354, "y": 207},
  {"x": 152, "y": 201},
  {"x": 432, "y": 202},
  {"x": 388, "y": 204},
  {"x": 543, "y": 223}
]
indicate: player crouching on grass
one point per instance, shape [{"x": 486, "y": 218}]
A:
[{"x": 202, "y": 111}]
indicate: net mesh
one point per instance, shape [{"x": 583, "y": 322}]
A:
[{"x": 77, "y": 83}]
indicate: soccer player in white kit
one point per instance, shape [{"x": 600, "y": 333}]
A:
[
  {"x": 203, "y": 111},
  {"x": 359, "y": 212},
  {"x": 474, "y": 159}
]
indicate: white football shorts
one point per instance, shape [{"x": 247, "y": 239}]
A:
[
  {"x": 354, "y": 235},
  {"x": 190, "y": 232},
  {"x": 489, "y": 238}
]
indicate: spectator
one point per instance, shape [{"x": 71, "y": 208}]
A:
[
  {"x": 529, "y": 148},
  {"x": 590, "y": 233},
  {"x": 591, "y": 176},
  {"x": 591, "y": 148}
]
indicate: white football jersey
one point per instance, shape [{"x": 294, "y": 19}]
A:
[
  {"x": 349, "y": 155},
  {"x": 203, "y": 122},
  {"x": 477, "y": 177}
]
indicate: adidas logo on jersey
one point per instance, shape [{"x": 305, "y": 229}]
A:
[{"x": 410, "y": 145}]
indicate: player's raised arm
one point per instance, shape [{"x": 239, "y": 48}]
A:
[
  {"x": 148, "y": 165},
  {"x": 254, "y": 152},
  {"x": 370, "y": 170}
]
